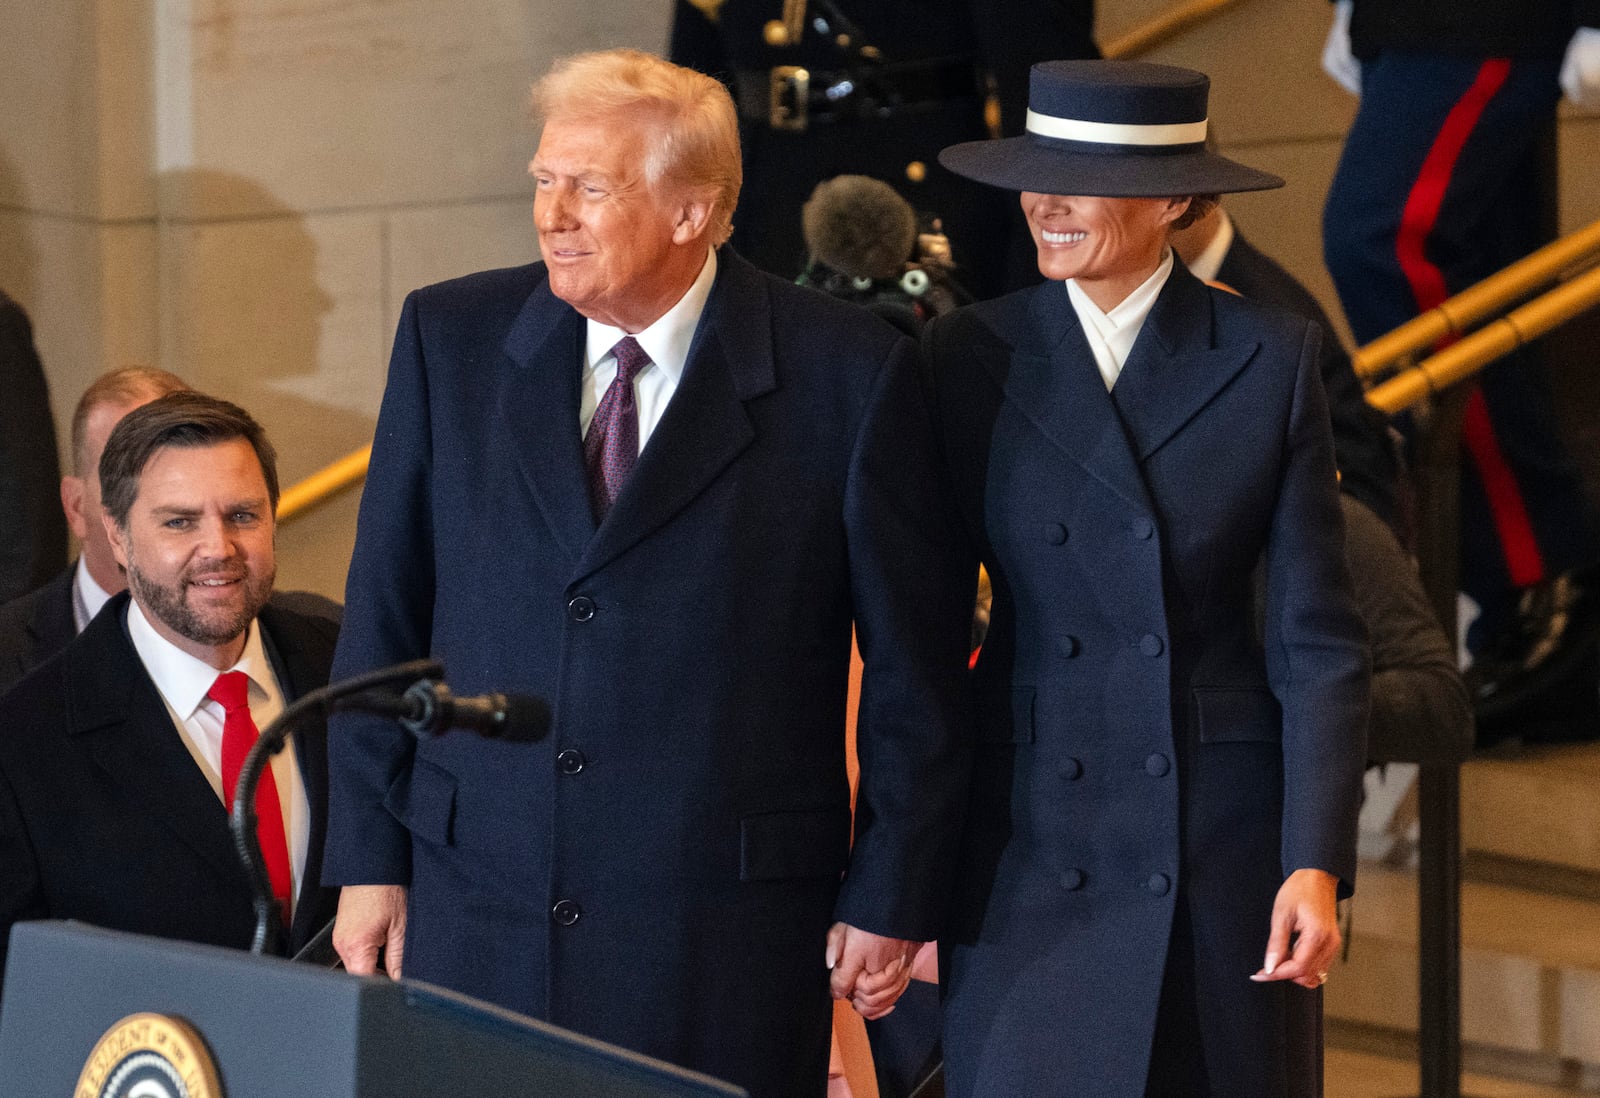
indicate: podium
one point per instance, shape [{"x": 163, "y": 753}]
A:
[{"x": 275, "y": 1029}]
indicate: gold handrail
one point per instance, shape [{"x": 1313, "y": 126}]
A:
[
  {"x": 1469, "y": 355},
  {"x": 1168, "y": 24},
  {"x": 347, "y": 472},
  {"x": 1477, "y": 302}
]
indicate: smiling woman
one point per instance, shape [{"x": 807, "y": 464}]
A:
[
  {"x": 1108, "y": 245},
  {"x": 1162, "y": 809}
]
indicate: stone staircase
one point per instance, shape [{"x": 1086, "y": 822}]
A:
[{"x": 1530, "y": 927}]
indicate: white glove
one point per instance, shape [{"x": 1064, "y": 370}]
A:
[
  {"x": 1580, "y": 69},
  {"x": 1337, "y": 60}
]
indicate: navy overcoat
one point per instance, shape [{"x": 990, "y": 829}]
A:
[
  {"x": 661, "y": 871},
  {"x": 1141, "y": 753}
]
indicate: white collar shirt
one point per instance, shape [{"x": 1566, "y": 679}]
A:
[
  {"x": 87, "y": 596},
  {"x": 1208, "y": 264},
  {"x": 667, "y": 342},
  {"x": 1111, "y": 335},
  {"x": 183, "y": 682}
]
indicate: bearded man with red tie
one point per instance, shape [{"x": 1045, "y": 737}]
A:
[
  {"x": 657, "y": 487},
  {"x": 119, "y": 755}
]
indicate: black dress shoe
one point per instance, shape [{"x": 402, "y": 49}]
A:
[{"x": 1538, "y": 681}]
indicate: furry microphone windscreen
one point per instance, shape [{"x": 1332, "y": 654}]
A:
[{"x": 859, "y": 226}]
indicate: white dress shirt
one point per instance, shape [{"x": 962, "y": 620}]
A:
[
  {"x": 1208, "y": 263},
  {"x": 666, "y": 342},
  {"x": 183, "y": 681},
  {"x": 1111, "y": 335},
  {"x": 87, "y": 596}
]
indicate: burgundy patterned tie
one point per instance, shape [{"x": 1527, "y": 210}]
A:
[{"x": 612, "y": 444}]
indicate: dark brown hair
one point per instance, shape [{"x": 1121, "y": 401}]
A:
[
  {"x": 181, "y": 419},
  {"x": 1199, "y": 206}
]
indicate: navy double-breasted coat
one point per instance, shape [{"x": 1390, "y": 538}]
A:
[
  {"x": 1140, "y": 750},
  {"x": 661, "y": 871}
]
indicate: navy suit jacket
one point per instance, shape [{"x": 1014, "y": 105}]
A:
[
  {"x": 660, "y": 872},
  {"x": 35, "y": 626},
  {"x": 1366, "y": 460},
  {"x": 104, "y": 815},
  {"x": 1139, "y": 749}
]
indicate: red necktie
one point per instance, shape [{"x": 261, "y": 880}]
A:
[
  {"x": 239, "y": 732},
  {"x": 612, "y": 444}
]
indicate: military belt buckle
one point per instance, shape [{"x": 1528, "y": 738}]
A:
[{"x": 788, "y": 96}]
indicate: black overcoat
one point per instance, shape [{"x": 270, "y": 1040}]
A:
[{"x": 104, "y": 815}]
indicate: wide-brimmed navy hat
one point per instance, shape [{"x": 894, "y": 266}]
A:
[{"x": 1115, "y": 129}]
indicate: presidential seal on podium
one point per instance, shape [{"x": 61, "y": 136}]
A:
[{"x": 149, "y": 1056}]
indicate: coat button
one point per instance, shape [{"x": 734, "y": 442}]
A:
[
  {"x": 566, "y": 912},
  {"x": 1071, "y": 769},
  {"x": 1158, "y": 884},
  {"x": 1143, "y": 528},
  {"x": 1155, "y": 766},
  {"x": 1072, "y": 879},
  {"x": 581, "y": 608},
  {"x": 1067, "y": 646},
  {"x": 1055, "y": 533},
  {"x": 1151, "y": 645},
  {"x": 571, "y": 761}
]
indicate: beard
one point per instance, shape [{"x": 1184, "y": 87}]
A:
[{"x": 214, "y": 625}]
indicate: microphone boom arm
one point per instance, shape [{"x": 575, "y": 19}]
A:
[{"x": 355, "y": 693}]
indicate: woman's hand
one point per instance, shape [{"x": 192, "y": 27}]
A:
[{"x": 1305, "y": 930}]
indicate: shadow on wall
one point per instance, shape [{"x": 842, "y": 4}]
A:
[
  {"x": 243, "y": 316},
  {"x": 244, "y": 312},
  {"x": 18, "y": 259}
]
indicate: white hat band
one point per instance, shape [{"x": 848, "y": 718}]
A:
[{"x": 1116, "y": 133}]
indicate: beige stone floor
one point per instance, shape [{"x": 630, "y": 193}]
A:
[{"x": 1348, "y": 1074}]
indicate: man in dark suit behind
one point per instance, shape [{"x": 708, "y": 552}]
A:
[
  {"x": 33, "y": 540},
  {"x": 680, "y": 581},
  {"x": 37, "y": 625},
  {"x": 117, "y": 755}
]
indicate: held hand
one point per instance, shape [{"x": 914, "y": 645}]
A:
[
  {"x": 371, "y": 917},
  {"x": 868, "y": 969},
  {"x": 1580, "y": 68},
  {"x": 1305, "y": 930},
  {"x": 1337, "y": 60}
]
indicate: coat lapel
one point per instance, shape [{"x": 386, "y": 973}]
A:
[
  {"x": 705, "y": 425},
  {"x": 539, "y": 411},
  {"x": 1053, "y": 381},
  {"x": 116, "y": 712},
  {"x": 1175, "y": 369}
]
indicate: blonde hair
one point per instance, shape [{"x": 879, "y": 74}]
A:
[{"x": 694, "y": 138}]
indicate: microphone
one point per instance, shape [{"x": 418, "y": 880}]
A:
[
  {"x": 428, "y": 708},
  {"x": 860, "y": 227}
]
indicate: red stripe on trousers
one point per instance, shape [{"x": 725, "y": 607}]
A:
[{"x": 1506, "y": 507}]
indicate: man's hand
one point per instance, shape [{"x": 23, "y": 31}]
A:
[
  {"x": 1305, "y": 930},
  {"x": 371, "y": 917},
  {"x": 1337, "y": 60},
  {"x": 868, "y": 969}
]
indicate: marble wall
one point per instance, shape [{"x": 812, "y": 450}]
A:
[{"x": 243, "y": 191}]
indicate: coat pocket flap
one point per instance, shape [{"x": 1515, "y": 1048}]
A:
[
  {"x": 423, "y": 798},
  {"x": 1238, "y": 714},
  {"x": 1007, "y": 718},
  {"x": 783, "y": 845}
]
